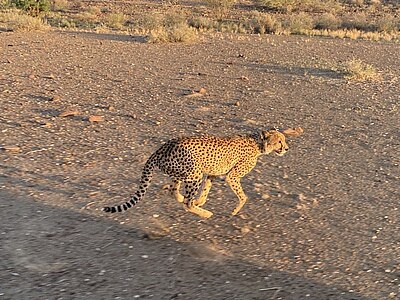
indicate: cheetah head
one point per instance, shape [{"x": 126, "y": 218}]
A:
[{"x": 275, "y": 141}]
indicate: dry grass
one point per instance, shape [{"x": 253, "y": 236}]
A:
[
  {"x": 15, "y": 20},
  {"x": 220, "y": 8},
  {"x": 328, "y": 21},
  {"x": 299, "y": 23},
  {"x": 60, "y": 5},
  {"x": 358, "y": 70},
  {"x": 354, "y": 34},
  {"x": 289, "y": 6},
  {"x": 115, "y": 20},
  {"x": 369, "y": 19},
  {"x": 179, "y": 33},
  {"x": 264, "y": 23}
]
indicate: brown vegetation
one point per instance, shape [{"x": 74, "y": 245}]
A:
[{"x": 374, "y": 20}]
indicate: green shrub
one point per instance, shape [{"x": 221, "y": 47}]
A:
[{"x": 33, "y": 7}]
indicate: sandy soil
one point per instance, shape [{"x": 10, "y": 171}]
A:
[{"x": 321, "y": 223}]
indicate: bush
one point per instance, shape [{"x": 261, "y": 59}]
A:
[
  {"x": 357, "y": 21},
  {"x": 386, "y": 23},
  {"x": 175, "y": 34},
  {"x": 203, "y": 23},
  {"x": 60, "y": 5},
  {"x": 16, "y": 21},
  {"x": 279, "y": 5},
  {"x": 33, "y": 7},
  {"x": 328, "y": 21},
  {"x": 115, "y": 20},
  {"x": 288, "y": 6},
  {"x": 220, "y": 7},
  {"x": 264, "y": 23},
  {"x": 359, "y": 71},
  {"x": 299, "y": 23}
]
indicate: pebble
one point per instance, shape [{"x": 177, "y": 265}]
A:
[
  {"x": 55, "y": 98},
  {"x": 10, "y": 148},
  {"x": 68, "y": 113},
  {"x": 95, "y": 119}
]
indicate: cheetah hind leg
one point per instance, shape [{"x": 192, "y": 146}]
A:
[
  {"x": 203, "y": 197},
  {"x": 191, "y": 188},
  {"x": 176, "y": 186},
  {"x": 174, "y": 189}
]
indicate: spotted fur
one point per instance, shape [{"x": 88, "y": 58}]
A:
[{"x": 188, "y": 160}]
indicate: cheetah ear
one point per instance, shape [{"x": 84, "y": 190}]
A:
[
  {"x": 293, "y": 131},
  {"x": 266, "y": 134}
]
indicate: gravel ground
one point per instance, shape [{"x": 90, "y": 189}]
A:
[{"x": 322, "y": 222}]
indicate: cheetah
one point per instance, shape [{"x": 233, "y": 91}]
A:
[{"x": 190, "y": 159}]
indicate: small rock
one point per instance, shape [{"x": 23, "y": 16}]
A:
[
  {"x": 50, "y": 76},
  {"x": 237, "y": 103},
  {"x": 265, "y": 196},
  {"x": 245, "y": 78},
  {"x": 111, "y": 108},
  {"x": 55, "y": 98},
  {"x": 95, "y": 119},
  {"x": 245, "y": 230},
  {"x": 10, "y": 148},
  {"x": 46, "y": 125},
  {"x": 301, "y": 197},
  {"x": 200, "y": 93},
  {"x": 31, "y": 76},
  {"x": 68, "y": 113}
]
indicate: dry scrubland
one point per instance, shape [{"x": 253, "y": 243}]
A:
[
  {"x": 178, "y": 21},
  {"x": 89, "y": 89}
]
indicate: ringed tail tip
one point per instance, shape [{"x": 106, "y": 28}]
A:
[{"x": 108, "y": 209}]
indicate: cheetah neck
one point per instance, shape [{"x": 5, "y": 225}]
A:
[{"x": 258, "y": 138}]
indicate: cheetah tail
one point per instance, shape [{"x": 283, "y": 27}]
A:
[{"x": 145, "y": 180}]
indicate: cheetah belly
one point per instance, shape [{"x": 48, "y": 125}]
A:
[{"x": 217, "y": 167}]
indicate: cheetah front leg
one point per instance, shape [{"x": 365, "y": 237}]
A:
[
  {"x": 234, "y": 183},
  {"x": 233, "y": 180},
  {"x": 191, "y": 189}
]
